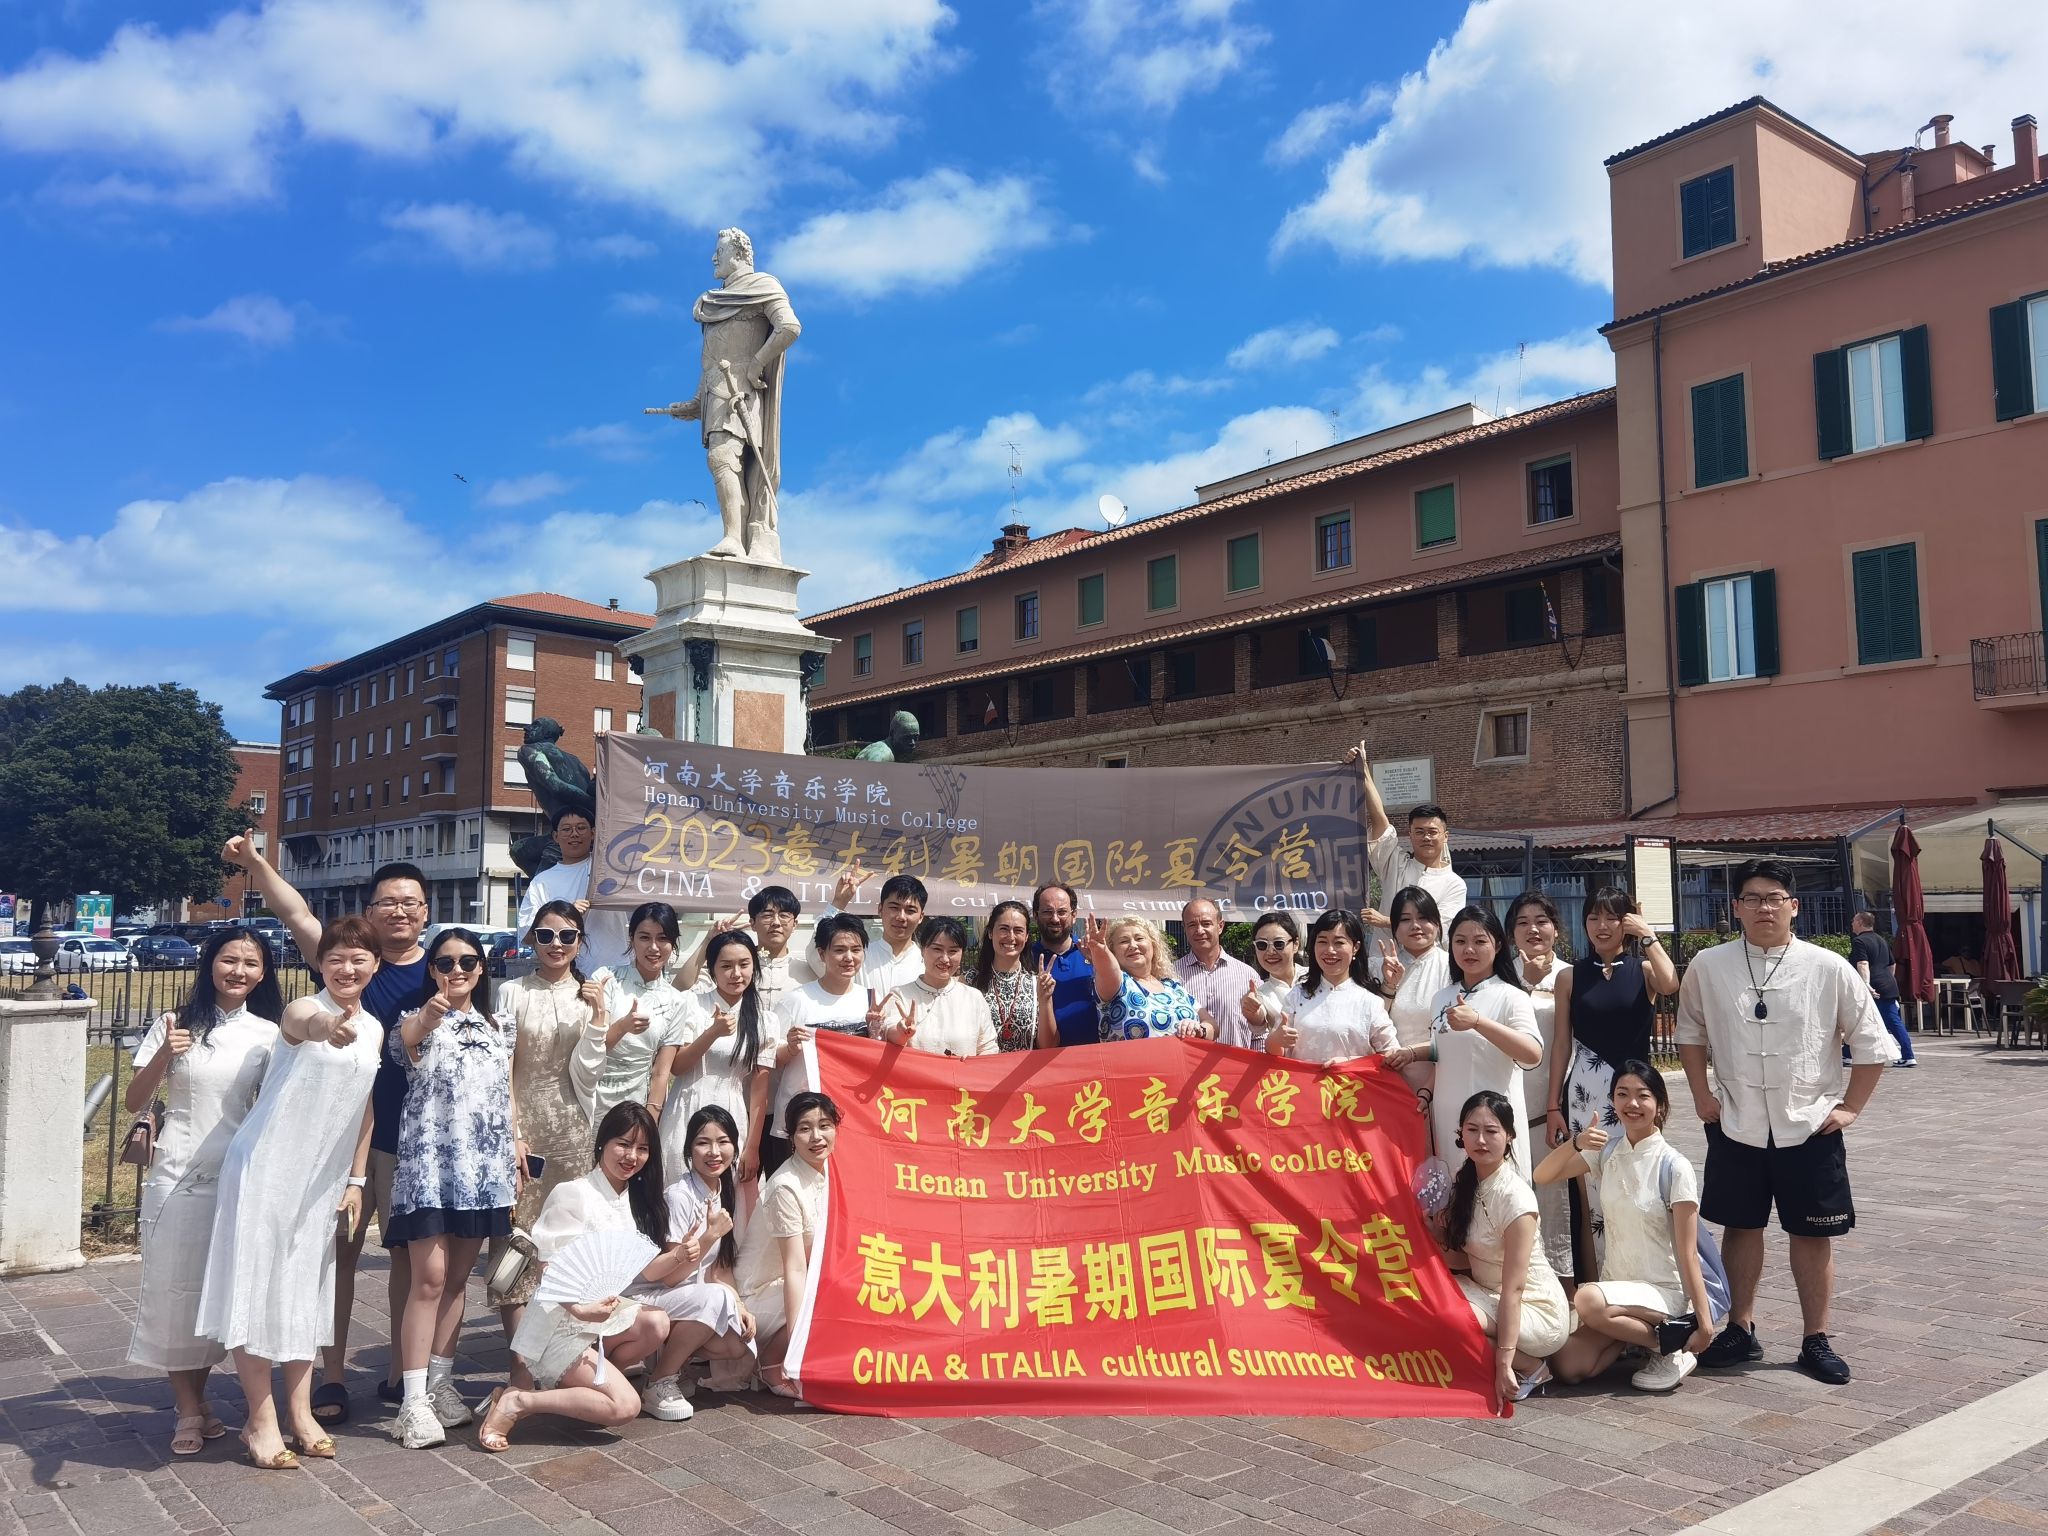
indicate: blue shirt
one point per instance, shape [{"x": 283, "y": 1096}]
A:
[
  {"x": 392, "y": 993},
  {"x": 1074, "y": 1006}
]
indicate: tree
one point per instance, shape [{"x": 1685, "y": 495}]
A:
[{"x": 125, "y": 790}]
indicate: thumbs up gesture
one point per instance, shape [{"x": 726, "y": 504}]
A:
[{"x": 1249, "y": 1005}]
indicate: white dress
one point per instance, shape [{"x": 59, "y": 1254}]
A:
[
  {"x": 1547, "y": 1319},
  {"x": 548, "y": 1339},
  {"x": 1467, "y": 1062},
  {"x": 721, "y": 1076},
  {"x": 269, "y": 1284},
  {"x": 207, "y": 1094},
  {"x": 1272, "y": 996},
  {"x": 792, "y": 1205},
  {"x": 1338, "y": 1023},
  {"x": 693, "y": 1297},
  {"x": 606, "y": 1077},
  {"x": 1553, "y": 1202},
  {"x": 1413, "y": 1009}
]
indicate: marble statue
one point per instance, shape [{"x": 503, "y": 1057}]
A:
[
  {"x": 560, "y": 782},
  {"x": 901, "y": 744},
  {"x": 748, "y": 325}
]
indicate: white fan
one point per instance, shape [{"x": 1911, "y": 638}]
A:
[{"x": 596, "y": 1265}]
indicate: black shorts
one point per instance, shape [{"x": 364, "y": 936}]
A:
[{"x": 1809, "y": 1182}]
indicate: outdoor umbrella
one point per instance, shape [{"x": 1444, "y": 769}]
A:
[
  {"x": 1913, "y": 960},
  {"x": 2001, "y": 962}
]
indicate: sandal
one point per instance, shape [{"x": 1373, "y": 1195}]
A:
[
  {"x": 489, "y": 1440},
  {"x": 188, "y": 1435},
  {"x": 285, "y": 1460},
  {"x": 319, "y": 1450},
  {"x": 214, "y": 1428},
  {"x": 330, "y": 1403}
]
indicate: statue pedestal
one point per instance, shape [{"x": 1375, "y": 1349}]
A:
[
  {"x": 727, "y": 660},
  {"x": 42, "y": 1155}
]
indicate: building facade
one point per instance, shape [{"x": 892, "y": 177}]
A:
[
  {"x": 409, "y": 750},
  {"x": 256, "y": 786},
  {"x": 1449, "y": 589}
]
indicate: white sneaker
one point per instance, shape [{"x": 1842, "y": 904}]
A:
[
  {"x": 416, "y": 1428},
  {"x": 665, "y": 1399},
  {"x": 1664, "y": 1373},
  {"x": 449, "y": 1407}
]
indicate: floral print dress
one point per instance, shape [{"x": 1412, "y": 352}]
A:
[{"x": 455, "y": 1154}]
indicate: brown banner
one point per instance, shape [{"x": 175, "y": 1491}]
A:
[{"x": 704, "y": 827}]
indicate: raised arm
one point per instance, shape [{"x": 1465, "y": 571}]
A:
[
  {"x": 1376, "y": 823},
  {"x": 1109, "y": 976},
  {"x": 1560, "y": 1065},
  {"x": 284, "y": 902},
  {"x": 1660, "y": 976}
]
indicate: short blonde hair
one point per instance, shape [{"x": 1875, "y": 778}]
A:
[{"x": 1162, "y": 957}]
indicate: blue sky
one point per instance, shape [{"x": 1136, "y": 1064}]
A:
[{"x": 278, "y": 273}]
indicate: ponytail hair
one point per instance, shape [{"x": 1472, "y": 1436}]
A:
[
  {"x": 747, "y": 1037},
  {"x": 1465, "y": 1183}
]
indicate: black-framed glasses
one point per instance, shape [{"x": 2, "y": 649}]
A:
[
  {"x": 391, "y": 904},
  {"x": 558, "y": 936},
  {"x": 1770, "y": 903},
  {"x": 446, "y": 964},
  {"x": 1272, "y": 946}
]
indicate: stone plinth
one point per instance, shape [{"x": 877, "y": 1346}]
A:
[
  {"x": 727, "y": 659},
  {"x": 42, "y": 1150}
]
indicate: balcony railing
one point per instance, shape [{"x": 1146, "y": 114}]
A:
[{"x": 2009, "y": 667}]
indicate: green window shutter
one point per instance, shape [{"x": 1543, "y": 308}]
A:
[
  {"x": 1917, "y": 382},
  {"x": 1831, "y": 402},
  {"x": 1162, "y": 583},
  {"x": 1689, "y": 604},
  {"x": 1720, "y": 438},
  {"x": 1089, "y": 600},
  {"x": 1721, "y": 208},
  {"x": 1734, "y": 430},
  {"x": 1242, "y": 558},
  {"x": 1365, "y": 629},
  {"x": 1902, "y": 601},
  {"x": 1868, "y": 580},
  {"x": 2012, "y": 371},
  {"x": 1763, "y": 612},
  {"x": 2041, "y": 560},
  {"x": 1436, "y": 516},
  {"x": 1692, "y": 199}
]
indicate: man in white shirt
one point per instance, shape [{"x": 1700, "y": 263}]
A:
[
  {"x": 1218, "y": 980},
  {"x": 605, "y": 940},
  {"x": 1424, "y": 859},
  {"x": 1773, "y": 1013},
  {"x": 772, "y": 912}
]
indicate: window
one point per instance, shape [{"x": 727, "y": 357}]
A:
[
  {"x": 1027, "y": 616},
  {"x": 604, "y": 666},
  {"x": 355, "y": 698},
  {"x": 515, "y": 771},
  {"x": 1503, "y": 736},
  {"x": 1600, "y": 588},
  {"x": 405, "y": 738},
  {"x": 1550, "y": 490},
  {"x": 863, "y": 655},
  {"x": 412, "y": 677},
  {"x": 519, "y": 706},
  {"x": 391, "y": 685},
  {"x": 291, "y": 760},
  {"x": 967, "y": 630},
  {"x": 427, "y": 780},
  {"x": 1241, "y": 563},
  {"x": 1727, "y": 628},
  {"x": 258, "y": 803},
  {"x": 1394, "y": 635},
  {"x": 433, "y": 666},
  {"x": 291, "y": 716},
  {"x": 1090, "y": 605},
  {"x": 387, "y": 741},
  {"x": 1121, "y": 760},
  {"x": 405, "y": 788},
  {"x": 449, "y": 658},
  {"x": 1872, "y": 394},
  {"x": 632, "y": 722},
  {"x": 373, "y": 693},
  {"x": 1202, "y": 670},
  {"x": 1120, "y": 682},
  {"x": 351, "y": 797},
  {"x": 1436, "y": 516},
  {"x": 977, "y": 707},
  {"x": 518, "y": 653},
  {"x": 352, "y": 749},
  {"x": 1505, "y": 616},
  {"x": 1887, "y": 583},
  {"x": 291, "y": 808},
  {"x": 1049, "y": 695},
  {"x": 913, "y": 643},
  {"x": 337, "y": 802},
  {"x": 2019, "y": 357},
  {"x": 387, "y": 791},
  {"x": 1720, "y": 435},
  {"x": 427, "y": 725},
  {"x": 600, "y": 720},
  {"x": 1333, "y": 541},
  {"x": 1288, "y": 653},
  {"x": 1162, "y": 583},
  {"x": 1707, "y": 211}
]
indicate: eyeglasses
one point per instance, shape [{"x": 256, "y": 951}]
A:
[
  {"x": 1769, "y": 903},
  {"x": 388, "y": 904},
  {"x": 1271, "y": 946},
  {"x": 446, "y": 964},
  {"x": 557, "y": 936}
]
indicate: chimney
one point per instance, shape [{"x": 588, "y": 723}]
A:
[
  {"x": 1013, "y": 538},
  {"x": 1906, "y": 193},
  {"x": 1941, "y": 121},
  {"x": 2026, "y": 148},
  {"x": 613, "y": 604}
]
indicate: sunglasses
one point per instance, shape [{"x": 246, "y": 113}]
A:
[
  {"x": 446, "y": 964},
  {"x": 558, "y": 935},
  {"x": 1275, "y": 946}
]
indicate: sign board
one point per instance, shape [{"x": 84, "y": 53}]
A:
[
  {"x": 94, "y": 913},
  {"x": 8, "y": 906},
  {"x": 1405, "y": 781},
  {"x": 1653, "y": 879}
]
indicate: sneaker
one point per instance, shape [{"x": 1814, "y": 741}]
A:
[
  {"x": 1733, "y": 1345},
  {"x": 665, "y": 1399},
  {"x": 1910, "y": 1061},
  {"x": 1818, "y": 1359},
  {"x": 416, "y": 1428},
  {"x": 1664, "y": 1373},
  {"x": 449, "y": 1407}
]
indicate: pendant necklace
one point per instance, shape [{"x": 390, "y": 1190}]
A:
[{"x": 1770, "y": 970}]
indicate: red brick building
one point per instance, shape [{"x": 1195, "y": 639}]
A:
[{"x": 256, "y": 786}]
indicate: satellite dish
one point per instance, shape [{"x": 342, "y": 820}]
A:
[{"x": 1113, "y": 511}]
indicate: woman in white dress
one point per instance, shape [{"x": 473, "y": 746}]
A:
[
  {"x": 1483, "y": 1035},
  {"x": 1276, "y": 947},
  {"x": 711, "y": 1058},
  {"x": 268, "y": 1294},
  {"x": 644, "y": 1012},
  {"x": 1413, "y": 970},
  {"x": 693, "y": 1282},
  {"x": 560, "y": 1344},
  {"x": 1332, "y": 1015},
  {"x": 775, "y": 1255},
  {"x": 938, "y": 1012},
  {"x": 1533, "y": 926},
  {"x": 208, "y": 1058}
]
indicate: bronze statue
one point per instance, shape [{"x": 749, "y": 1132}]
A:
[
  {"x": 901, "y": 744},
  {"x": 560, "y": 782}
]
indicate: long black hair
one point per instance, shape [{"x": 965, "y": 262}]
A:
[
  {"x": 747, "y": 1038},
  {"x": 1465, "y": 1183},
  {"x": 985, "y": 962},
  {"x": 1344, "y": 920},
  {"x": 728, "y": 1191},
  {"x": 560, "y": 911},
  {"x": 1503, "y": 951},
  {"x": 480, "y": 999},
  {"x": 643, "y": 1190},
  {"x": 201, "y": 1009}
]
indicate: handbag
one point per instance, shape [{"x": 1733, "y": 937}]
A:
[
  {"x": 140, "y": 1146},
  {"x": 517, "y": 1271}
]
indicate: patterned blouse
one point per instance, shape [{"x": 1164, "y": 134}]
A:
[
  {"x": 1135, "y": 1014},
  {"x": 1013, "y": 1001},
  {"x": 455, "y": 1137}
]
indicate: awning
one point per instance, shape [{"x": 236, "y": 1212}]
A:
[
  {"x": 1951, "y": 843},
  {"x": 1748, "y": 833}
]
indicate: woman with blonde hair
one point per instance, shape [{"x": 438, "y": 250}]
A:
[{"x": 1141, "y": 998}]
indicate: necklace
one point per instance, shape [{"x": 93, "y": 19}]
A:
[{"x": 1770, "y": 969}]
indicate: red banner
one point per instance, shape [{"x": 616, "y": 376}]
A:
[{"x": 1160, "y": 1226}]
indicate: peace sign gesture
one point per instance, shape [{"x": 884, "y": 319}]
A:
[
  {"x": 1095, "y": 940},
  {"x": 1041, "y": 974},
  {"x": 1391, "y": 969},
  {"x": 846, "y": 885}
]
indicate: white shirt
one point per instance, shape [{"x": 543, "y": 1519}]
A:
[
  {"x": 1396, "y": 867},
  {"x": 605, "y": 940},
  {"x": 809, "y": 1006},
  {"x": 1630, "y": 1180},
  {"x": 1466, "y": 1062},
  {"x": 1414, "y": 1006},
  {"x": 953, "y": 1022},
  {"x": 886, "y": 972},
  {"x": 1778, "y": 1077},
  {"x": 1339, "y": 1023}
]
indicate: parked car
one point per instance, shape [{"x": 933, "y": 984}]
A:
[
  {"x": 502, "y": 946},
  {"x": 92, "y": 954},
  {"x": 164, "y": 952},
  {"x": 17, "y": 958}
]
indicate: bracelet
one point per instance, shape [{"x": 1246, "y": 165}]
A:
[
  {"x": 1432, "y": 1050},
  {"x": 358, "y": 1180},
  {"x": 1425, "y": 1095}
]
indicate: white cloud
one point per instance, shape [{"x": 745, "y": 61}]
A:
[
  {"x": 616, "y": 441},
  {"x": 1149, "y": 486},
  {"x": 1145, "y": 384},
  {"x": 1145, "y": 163},
  {"x": 639, "y": 102},
  {"x": 1500, "y": 383},
  {"x": 963, "y": 463},
  {"x": 930, "y": 233},
  {"x": 620, "y": 247},
  {"x": 1314, "y": 127},
  {"x": 475, "y": 237},
  {"x": 260, "y": 319},
  {"x": 1492, "y": 151},
  {"x": 519, "y": 490},
  {"x": 1144, "y": 55},
  {"x": 1283, "y": 346},
  {"x": 642, "y": 305}
]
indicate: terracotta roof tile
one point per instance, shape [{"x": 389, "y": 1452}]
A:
[
  {"x": 557, "y": 606},
  {"x": 1323, "y": 602},
  {"x": 1811, "y": 824},
  {"x": 1725, "y": 113},
  {"x": 1052, "y": 546}
]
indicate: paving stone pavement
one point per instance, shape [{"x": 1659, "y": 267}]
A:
[{"x": 1940, "y": 1301}]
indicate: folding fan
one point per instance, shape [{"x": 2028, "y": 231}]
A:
[
  {"x": 1432, "y": 1186},
  {"x": 594, "y": 1266}
]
